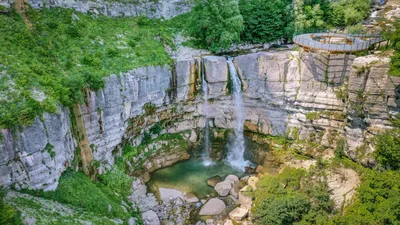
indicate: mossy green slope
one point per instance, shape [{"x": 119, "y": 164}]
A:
[{"x": 66, "y": 52}]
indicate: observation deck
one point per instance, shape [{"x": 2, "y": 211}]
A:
[{"x": 337, "y": 42}]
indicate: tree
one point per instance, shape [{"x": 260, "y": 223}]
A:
[
  {"x": 309, "y": 15},
  {"x": 349, "y": 12},
  {"x": 282, "y": 209},
  {"x": 387, "y": 146},
  {"x": 8, "y": 215},
  {"x": 393, "y": 35},
  {"x": 266, "y": 20},
  {"x": 216, "y": 24}
]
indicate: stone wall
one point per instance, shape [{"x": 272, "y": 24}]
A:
[{"x": 303, "y": 95}]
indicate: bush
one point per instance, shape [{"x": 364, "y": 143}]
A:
[
  {"x": 266, "y": 20},
  {"x": 216, "y": 24},
  {"x": 282, "y": 209},
  {"x": 117, "y": 181},
  {"x": 8, "y": 215},
  {"x": 292, "y": 196},
  {"x": 76, "y": 189},
  {"x": 393, "y": 35},
  {"x": 313, "y": 116},
  {"x": 377, "y": 200},
  {"x": 387, "y": 149}
]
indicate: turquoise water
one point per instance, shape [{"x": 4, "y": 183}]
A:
[{"x": 191, "y": 176}]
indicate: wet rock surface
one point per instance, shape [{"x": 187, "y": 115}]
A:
[{"x": 212, "y": 181}]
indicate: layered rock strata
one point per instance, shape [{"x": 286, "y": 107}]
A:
[
  {"x": 164, "y": 9},
  {"x": 302, "y": 95}
]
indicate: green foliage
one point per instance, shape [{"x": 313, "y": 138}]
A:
[
  {"x": 133, "y": 157},
  {"x": 377, "y": 200},
  {"x": 355, "y": 29},
  {"x": 149, "y": 108},
  {"x": 282, "y": 209},
  {"x": 339, "y": 150},
  {"x": 393, "y": 35},
  {"x": 312, "y": 116},
  {"x": 117, "y": 181},
  {"x": 61, "y": 57},
  {"x": 8, "y": 215},
  {"x": 266, "y": 20},
  {"x": 216, "y": 24},
  {"x": 78, "y": 190},
  {"x": 309, "y": 14},
  {"x": 146, "y": 138},
  {"x": 317, "y": 14},
  {"x": 349, "y": 12},
  {"x": 292, "y": 196},
  {"x": 50, "y": 149},
  {"x": 282, "y": 199},
  {"x": 387, "y": 149},
  {"x": 156, "y": 129}
]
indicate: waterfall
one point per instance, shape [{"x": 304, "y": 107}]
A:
[
  {"x": 236, "y": 143},
  {"x": 207, "y": 145}
]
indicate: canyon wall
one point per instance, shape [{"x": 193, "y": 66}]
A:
[
  {"x": 316, "y": 97},
  {"x": 165, "y": 9}
]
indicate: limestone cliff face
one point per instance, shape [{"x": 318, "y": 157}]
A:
[
  {"x": 165, "y": 9},
  {"x": 321, "y": 98},
  {"x": 373, "y": 99},
  {"x": 35, "y": 156}
]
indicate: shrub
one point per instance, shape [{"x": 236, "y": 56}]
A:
[
  {"x": 8, "y": 215},
  {"x": 76, "y": 189},
  {"x": 312, "y": 116},
  {"x": 266, "y": 20},
  {"x": 387, "y": 146},
  {"x": 377, "y": 200},
  {"x": 117, "y": 181},
  {"x": 282, "y": 209},
  {"x": 216, "y": 24}
]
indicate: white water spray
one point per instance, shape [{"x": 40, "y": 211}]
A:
[
  {"x": 207, "y": 145},
  {"x": 236, "y": 144}
]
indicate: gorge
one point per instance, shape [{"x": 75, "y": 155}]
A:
[{"x": 201, "y": 138}]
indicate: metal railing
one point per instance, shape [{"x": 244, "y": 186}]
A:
[{"x": 356, "y": 42}]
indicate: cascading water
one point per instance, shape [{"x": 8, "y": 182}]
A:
[
  {"x": 236, "y": 144},
  {"x": 207, "y": 145}
]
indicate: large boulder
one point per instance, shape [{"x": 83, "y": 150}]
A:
[
  {"x": 223, "y": 188},
  {"x": 191, "y": 198},
  {"x": 150, "y": 218},
  {"x": 213, "y": 207},
  {"x": 245, "y": 199},
  {"x": 232, "y": 178},
  {"x": 169, "y": 194},
  {"x": 212, "y": 181},
  {"x": 238, "y": 214}
]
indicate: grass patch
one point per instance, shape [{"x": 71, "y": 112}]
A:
[
  {"x": 78, "y": 190},
  {"x": 60, "y": 57}
]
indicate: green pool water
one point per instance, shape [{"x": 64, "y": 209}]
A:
[{"x": 190, "y": 176}]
